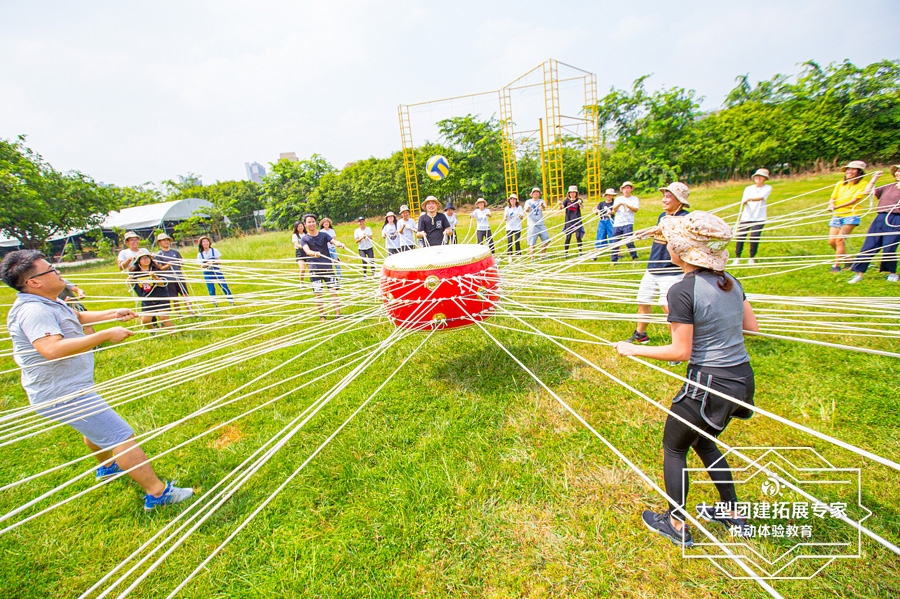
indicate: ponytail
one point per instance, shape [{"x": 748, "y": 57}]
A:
[{"x": 726, "y": 284}]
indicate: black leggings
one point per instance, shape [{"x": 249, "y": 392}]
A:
[
  {"x": 480, "y": 236},
  {"x": 579, "y": 235},
  {"x": 368, "y": 257},
  {"x": 678, "y": 438},
  {"x": 513, "y": 237},
  {"x": 751, "y": 230}
]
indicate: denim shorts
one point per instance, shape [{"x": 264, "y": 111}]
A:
[{"x": 839, "y": 221}]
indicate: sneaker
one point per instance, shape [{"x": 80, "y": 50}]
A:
[
  {"x": 736, "y": 262},
  {"x": 855, "y": 279},
  {"x": 835, "y": 268},
  {"x": 104, "y": 472},
  {"x": 708, "y": 513},
  {"x": 659, "y": 523},
  {"x": 641, "y": 338},
  {"x": 893, "y": 278},
  {"x": 751, "y": 261},
  {"x": 172, "y": 494},
  {"x": 673, "y": 363}
]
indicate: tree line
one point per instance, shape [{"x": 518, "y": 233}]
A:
[{"x": 819, "y": 118}]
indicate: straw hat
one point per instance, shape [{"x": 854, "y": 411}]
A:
[
  {"x": 431, "y": 199},
  {"x": 610, "y": 192},
  {"x": 480, "y": 201},
  {"x": 129, "y": 235},
  {"x": 854, "y": 164},
  {"x": 763, "y": 172},
  {"x": 698, "y": 238},
  {"x": 626, "y": 184},
  {"x": 207, "y": 237},
  {"x": 680, "y": 191}
]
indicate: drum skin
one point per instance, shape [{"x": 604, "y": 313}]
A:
[{"x": 439, "y": 288}]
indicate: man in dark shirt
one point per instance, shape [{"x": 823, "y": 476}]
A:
[
  {"x": 661, "y": 273},
  {"x": 171, "y": 260},
  {"x": 884, "y": 232},
  {"x": 321, "y": 272},
  {"x": 433, "y": 226}
]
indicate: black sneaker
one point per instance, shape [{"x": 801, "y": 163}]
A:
[
  {"x": 708, "y": 513},
  {"x": 659, "y": 523},
  {"x": 835, "y": 269},
  {"x": 641, "y": 338}
]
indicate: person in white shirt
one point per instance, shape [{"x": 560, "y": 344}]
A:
[
  {"x": 209, "y": 259},
  {"x": 363, "y": 237},
  {"x": 513, "y": 215},
  {"x": 624, "y": 209},
  {"x": 482, "y": 216},
  {"x": 297, "y": 234},
  {"x": 534, "y": 210},
  {"x": 752, "y": 215},
  {"x": 406, "y": 227},
  {"x": 390, "y": 234},
  {"x": 326, "y": 226},
  {"x": 126, "y": 256},
  {"x": 450, "y": 213}
]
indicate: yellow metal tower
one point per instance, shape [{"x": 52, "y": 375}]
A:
[
  {"x": 553, "y": 185},
  {"x": 592, "y": 139},
  {"x": 409, "y": 160},
  {"x": 509, "y": 143}
]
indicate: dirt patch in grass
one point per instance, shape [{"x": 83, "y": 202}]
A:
[{"x": 227, "y": 436}]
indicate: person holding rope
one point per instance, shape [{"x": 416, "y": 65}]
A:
[
  {"x": 126, "y": 256},
  {"x": 209, "y": 258},
  {"x": 661, "y": 272},
  {"x": 752, "y": 216},
  {"x": 450, "y": 213},
  {"x": 297, "y": 234},
  {"x": 54, "y": 353},
  {"x": 536, "y": 228},
  {"x": 884, "y": 232},
  {"x": 709, "y": 315},
  {"x": 363, "y": 237},
  {"x": 326, "y": 227},
  {"x": 433, "y": 226},
  {"x": 406, "y": 227},
  {"x": 624, "y": 209},
  {"x": 844, "y": 205},
  {"x": 171, "y": 260},
  {"x": 321, "y": 271},
  {"x": 572, "y": 224},
  {"x": 604, "y": 211},
  {"x": 513, "y": 215},
  {"x": 482, "y": 216},
  {"x": 147, "y": 282},
  {"x": 389, "y": 232}
]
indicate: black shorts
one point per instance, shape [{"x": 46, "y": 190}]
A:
[
  {"x": 176, "y": 288},
  {"x": 154, "y": 305}
]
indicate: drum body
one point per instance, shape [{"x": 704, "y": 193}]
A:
[{"x": 440, "y": 287}]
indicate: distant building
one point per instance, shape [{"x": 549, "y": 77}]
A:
[
  {"x": 292, "y": 156},
  {"x": 255, "y": 172}
]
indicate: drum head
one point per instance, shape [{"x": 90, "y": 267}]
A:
[{"x": 436, "y": 257}]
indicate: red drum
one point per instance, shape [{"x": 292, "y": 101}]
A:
[{"x": 440, "y": 287}]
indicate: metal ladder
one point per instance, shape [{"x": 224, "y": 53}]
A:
[
  {"x": 509, "y": 144},
  {"x": 409, "y": 160},
  {"x": 592, "y": 138},
  {"x": 554, "y": 183}
]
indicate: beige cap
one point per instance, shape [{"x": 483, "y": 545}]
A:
[
  {"x": 680, "y": 191},
  {"x": 573, "y": 188},
  {"x": 626, "y": 184},
  {"x": 535, "y": 189},
  {"x": 389, "y": 214},
  {"x": 130, "y": 234},
  {"x": 512, "y": 196},
  {"x": 698, "y": 238},
  {"x": 609, "y": 192},
  {"x": 763, "y": 172},
  {"x": 854, "y": 164},
  {"x": 404, "y": 208},
  {"x": 163, "y": 236}
]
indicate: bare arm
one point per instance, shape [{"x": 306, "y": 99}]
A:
[
  {"x": 121, "y": 314},
  {"x": 53, "y": 347},
  {"x": 679, "y": 350},
  {"x": 750, "y": 325}
]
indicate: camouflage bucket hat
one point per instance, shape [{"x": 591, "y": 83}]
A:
[{"x": 698, "y": 238}]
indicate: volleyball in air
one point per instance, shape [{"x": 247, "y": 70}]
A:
[{"x": 437, "y": 167}]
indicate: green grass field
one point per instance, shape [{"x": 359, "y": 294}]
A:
[{"x": 462, "y": 477}]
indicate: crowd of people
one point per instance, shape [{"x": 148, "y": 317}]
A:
[{"x": 706, "y": 310}]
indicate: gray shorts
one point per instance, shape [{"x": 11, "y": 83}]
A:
[
  {"x": 91, "y": 416},
  {"x": 536, "y": 232}
]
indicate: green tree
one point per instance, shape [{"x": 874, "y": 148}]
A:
[
  {"x": 478, "y": 156},
  {"x": 289, "y": 186},
  {"x": 37, "y": 201}
]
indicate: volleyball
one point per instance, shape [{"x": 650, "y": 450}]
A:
[{"x": 437, "y": 167}]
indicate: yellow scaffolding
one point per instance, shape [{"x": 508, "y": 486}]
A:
[
  {"x": 553, "y": 185},
  {"x": 409, "y": 160},
  {"x": 509, "y": 143},
  {"x": 592, "y": 137}
]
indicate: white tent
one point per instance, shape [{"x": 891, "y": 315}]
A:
[{"x": 154, "y": 215}]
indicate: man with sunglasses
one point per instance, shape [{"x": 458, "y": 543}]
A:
[{"x": 57, "y": 364}]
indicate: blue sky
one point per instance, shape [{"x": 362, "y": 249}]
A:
[{"x": 134, "y": 92}]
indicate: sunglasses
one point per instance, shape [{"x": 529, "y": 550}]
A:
[{"x": 41, "y": 274}]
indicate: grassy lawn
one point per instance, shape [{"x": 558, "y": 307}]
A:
[{"x": 463, "y": 476}]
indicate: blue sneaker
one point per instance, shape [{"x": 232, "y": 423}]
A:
[
  {"x": 659, "y": 523},
  {"x": 104, "y": 472},
  {"x": 172, "y": 494}
]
